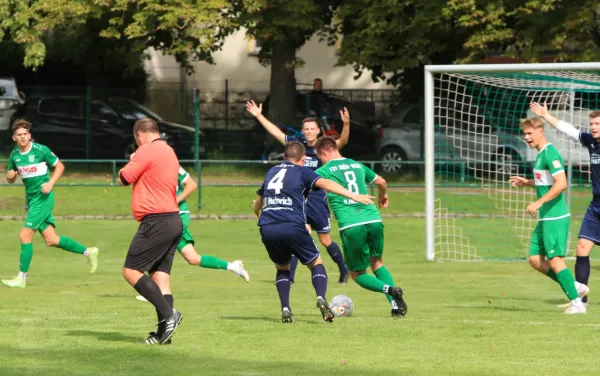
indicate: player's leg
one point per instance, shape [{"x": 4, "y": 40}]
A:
[
  {"x": 317, "y": 216},
  {"x": 63, "y": 242},
  {"x": 375, "y": 242},
  {"x": 307, "y": 252},
  {"x": 26, "y": 238},
  {"x": 273, "y": 237},
  {"x": 589, "y": 235},
  {"x": 555, "y": 243},
  {"x": 537, "y": 253},
  {"x": 152, "y": 249},
  {"x": 187, "y": 250}
]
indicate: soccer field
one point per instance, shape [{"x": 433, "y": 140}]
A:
[{"x": 493, "y": 318}]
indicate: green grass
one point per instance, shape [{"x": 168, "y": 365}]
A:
[{"x": 492, "y": 318}]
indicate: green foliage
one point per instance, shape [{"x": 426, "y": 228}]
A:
[{"x": 182, "y": 28}]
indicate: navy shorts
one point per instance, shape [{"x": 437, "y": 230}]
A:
[
  {"x": 590, "y": 227},
  {"x": 285, "y": 239},
  {"x": 317, "y": 214}
]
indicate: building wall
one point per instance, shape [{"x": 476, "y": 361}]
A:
[{"x": 237, "y": 64}]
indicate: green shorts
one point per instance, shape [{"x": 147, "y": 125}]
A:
[
  {"x": 550, "y": 238},
  {"x": 360, "y": 243},
  {"x": 39, "y": 212},
  {"x": 186, "y": 236}
]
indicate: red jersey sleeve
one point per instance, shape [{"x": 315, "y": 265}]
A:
[{"x": 137, "y": 165}]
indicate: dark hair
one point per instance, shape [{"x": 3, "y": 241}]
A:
[
  {"x": 145, "y": 125},
  {"x": 294, "y": 151},
  {"x": 310, "y": 120},
  {"x": 594, "y": 114},
  {"x": 21, "y": 123},
  {"x": 325, "y": 143}
]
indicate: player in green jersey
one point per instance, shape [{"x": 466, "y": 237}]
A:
[
  {"x": 549, "y": 242},
  {"x": 360, "y": 226},
  {"x": 185, "y": 187},
  {"x": 31, "y": 161}
]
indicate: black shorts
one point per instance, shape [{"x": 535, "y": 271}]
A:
[
  {"x": 154, "y": 244},
  {"x": 282, "y": 240}
]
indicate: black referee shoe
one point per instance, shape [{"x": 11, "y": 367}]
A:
[{"x": 170, "y": 325}]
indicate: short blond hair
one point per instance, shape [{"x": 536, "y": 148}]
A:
[{"x": 532, "y": 122}]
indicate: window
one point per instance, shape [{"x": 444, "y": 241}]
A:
[
  {"x": 100, "y": 111},
  {"x": 413, "y": 116},
  {"x": 69, "y": 107},
  {"x": 254, "y": 45}
]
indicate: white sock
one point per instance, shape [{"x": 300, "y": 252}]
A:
[
  {"x": 576, "y": 302},
  {"x": 23, "y": 276},
  {"x": 229, "y": 266},
  {"x": 86, "y": 253}
]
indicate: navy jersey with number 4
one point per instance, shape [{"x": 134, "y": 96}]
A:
[
  {"x": 593, "y": 147},
  {"x": 284, "y": 192}
]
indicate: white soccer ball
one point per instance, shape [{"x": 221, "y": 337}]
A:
[{"x": 341, "y": 305}]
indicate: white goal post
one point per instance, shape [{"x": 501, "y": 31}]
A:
[{"x": 472, "y": 143}]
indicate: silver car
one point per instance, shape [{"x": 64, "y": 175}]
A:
[
  {"x": 9, "y": 97},
  {"x": 472, "y": 142}
]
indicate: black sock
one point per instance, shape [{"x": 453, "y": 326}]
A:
[
  {"x": 336, "y": 255},
  {"x": 169, "y": 299},
  {"x": 319, "y": 280},
  {"x": 293, "y": 266},
  {"x": 282, "y": 282},
  {"x": 582, "y": 271},
  {"x": 150, "y": 290}
]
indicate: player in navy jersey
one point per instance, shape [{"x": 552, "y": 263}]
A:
[
  {"x": 282, "y": 221},
  {"x": 317, "y": 211},
  {"x": 589, "y": 233}
]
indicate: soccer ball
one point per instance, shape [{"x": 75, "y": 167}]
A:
[{"x": 341, "y": 305}]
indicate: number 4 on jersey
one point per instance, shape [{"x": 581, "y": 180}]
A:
[{"x": 277, "y": 182}]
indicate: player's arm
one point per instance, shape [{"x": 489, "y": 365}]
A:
[
  {"x": 11, "y": 173},
  {"x": 274, "y": 130},
  {"x": 59, "y": 169},
  {"x": 257, "y": 205},
  {"x": 134, "y": 169},
  {"x": 560, "y": 184},
  {"x": 519, "y": 181},
  {"x": 541, "y": 110},
  {"x": 189, "y": 186},
  {"x": 333, "y": 187},
  {"x": 345, "y": 136},
  {"x": 382, "y": 196}
]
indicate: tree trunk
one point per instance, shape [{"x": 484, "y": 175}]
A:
[{"x": 282, "y": 96}]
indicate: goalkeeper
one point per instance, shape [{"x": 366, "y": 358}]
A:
[
  {"x": 548, "y": 246},
  {"x": 589, "y": 233}
]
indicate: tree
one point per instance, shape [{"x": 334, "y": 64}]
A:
[
  {"x": 183, "y": 28},
  {"x": 396, "y": 38},
  {"x": 283, "y": 26}
]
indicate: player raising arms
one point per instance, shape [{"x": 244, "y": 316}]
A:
[
  {"x": 282, "y": 224},
  {"x": 317, "y": 211},
  {"x": 361, "y": 228},
  {"x": 31, "y": 161},
  {"x": 589, "y": 233},
  {"x": 548, "y": 246},
  {"x": 185, "y": 187}
]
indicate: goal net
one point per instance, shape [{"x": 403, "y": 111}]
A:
[{"x": 473, "y": 144}]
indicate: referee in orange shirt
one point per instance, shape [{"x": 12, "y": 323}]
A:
[{"x": 153, "y": 172}]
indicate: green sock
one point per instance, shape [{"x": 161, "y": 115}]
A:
[
  {"x": 550, "y": 273},
  {"x": 384, "y": 276},
  {"x": 212, "y": 262},
  {"x": 369, "y": 282},
  {"x": 567, "y": 282},
  {"x": 70, "y": 245},
  {"x": 26, "y": 256}
]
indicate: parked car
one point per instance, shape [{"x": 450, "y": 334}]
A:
[
  {"x": 457, "y": 138},
  {"x": 9, "y": 98},
  {"x": 363, "y": 133},
  {"x": 60, "y": 123}
]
